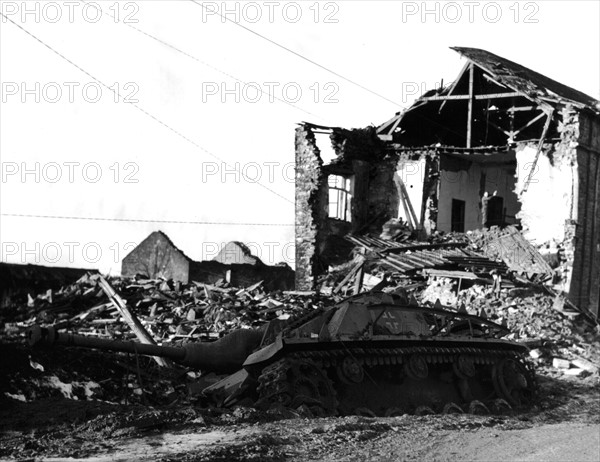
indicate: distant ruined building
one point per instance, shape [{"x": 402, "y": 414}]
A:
[{"x": 158, "y": 257}]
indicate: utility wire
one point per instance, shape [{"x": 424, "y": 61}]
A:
[
  {"x": 204, "y": 63},
  {"x": 353, "y": 82},
  {"x": 136, "y": 220},
  {"x": 139, "y": 108},
  {"x": 273, "y": 42}
]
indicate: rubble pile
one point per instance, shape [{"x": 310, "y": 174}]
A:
[
  {"x": 457, "y": 270},
  {"x": 561, "y": 341},
  {"x": 172, "y": 313},
  {"x": 169, "y": 311},
  {"x": 493, "y": 273}
]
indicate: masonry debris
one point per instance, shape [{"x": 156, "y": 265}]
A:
[{"x": 166, "y": 311}]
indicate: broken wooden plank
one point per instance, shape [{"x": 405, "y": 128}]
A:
[
  {"x": 130, "y": 318},
  {"x": 358, "y": 280},
  {"x": 537, "y": 154},
  {"x": 360, "y": 261}
]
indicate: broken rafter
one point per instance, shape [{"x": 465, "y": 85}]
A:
[
  {"x": 539, "y": 150},
  {"x": 133, "y": 322},
  {"x": 453, "y": 86},
  {"x": 467, "y": 97},
  {"x": 360, "y": 261},
  {"x": 395, "y": 121},
  {"x": 523, "y": 108},
  {"x": 531, "y": 122},
  {"x": 470, "y": 108},
  {"x": 411, "y": 216}
]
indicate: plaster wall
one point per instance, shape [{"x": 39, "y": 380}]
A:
[{"x": 468, "y": 184}]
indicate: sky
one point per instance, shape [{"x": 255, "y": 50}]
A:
[{"x": 179, "y": 116}]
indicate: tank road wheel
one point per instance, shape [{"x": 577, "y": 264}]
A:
[
  {"x": 452, "y": 408},
  {"x": 500, "y": 406},
  {"x": 478, "y": 408},
  {"x": 464, "y": 367},
  {"x": 349, "y": 371},
  {"x": 424, "y": 410},
  {"x": 416, "y": 367},
  {"x": 512, "y": 382},
  {"x": 297, "y": 383}
]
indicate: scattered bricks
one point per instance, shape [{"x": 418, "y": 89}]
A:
[
  {"x": 585, "y": 365},
  {"x": 559, "y": 363},
  {"x": 575, "y": 372},
  {"x": 535, "y": 354}
]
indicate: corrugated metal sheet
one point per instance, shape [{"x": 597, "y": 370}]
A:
[{"x": 410, "y": 256}]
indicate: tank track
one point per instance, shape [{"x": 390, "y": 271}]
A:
[
  {"x": 390, "y": 356},
  {"x": 305, "y": 378},
  {"x": 294, "y": 382}
]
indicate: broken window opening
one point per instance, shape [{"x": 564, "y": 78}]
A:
[
  {"x": 458, "y": 216},
  {"x": 340, "y": 196},
  {"x": 495, "y": 212}
]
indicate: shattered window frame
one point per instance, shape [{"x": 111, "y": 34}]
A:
[{"x": 340, "y": 196}]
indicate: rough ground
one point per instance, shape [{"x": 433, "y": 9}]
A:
[{"x": 564, "y": 426}]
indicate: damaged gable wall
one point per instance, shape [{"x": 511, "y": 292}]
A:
[{"x": 156, "y": 256}]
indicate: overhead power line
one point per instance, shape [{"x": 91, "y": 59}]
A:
[
  {"x": 337, "y": 74},
  {"x": 295, "y": 53},
  {"x": 139, "y": 220},
  {"x": 204, "y": 63},
  {"x": 141, "y": 109}
]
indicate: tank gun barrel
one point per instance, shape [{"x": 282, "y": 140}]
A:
[{"x": 222, "y": 356}]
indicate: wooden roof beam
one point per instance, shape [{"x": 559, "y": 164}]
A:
[
  {"x": 470, "y": 107},
  {"x": 477, "y": 97}
]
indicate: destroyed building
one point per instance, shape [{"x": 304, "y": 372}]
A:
[
  {"x": 158, "y": 257},
  {"x": 502, "y": 146},
  {"x": 235, "y": 252}
]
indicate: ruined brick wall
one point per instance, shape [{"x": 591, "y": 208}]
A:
[
  {"x": 383, "y": 200},
  {"x": 310, "y": 211},
  {"x": 278, "y": 277},
  {"x": 360, "y": 204},
  {"x": 156, "y": 256},
  {"x": 561, "y": 204},
  {"x": 585, "y": 141},
  {"x": 431, "y": 194}
]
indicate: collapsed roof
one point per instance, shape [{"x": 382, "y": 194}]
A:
[{"x": 492, "y": 102}]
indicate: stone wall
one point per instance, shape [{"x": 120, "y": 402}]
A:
[
  {"x": 383, "y": 198},
  {"x": 309, "y": 207}
]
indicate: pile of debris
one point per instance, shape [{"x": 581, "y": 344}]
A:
[
  {"x": 168, "y": 313},
  {"x": 464, "y": 272},
  {"x": 562, "y": 342},
  {"x": 492, "y": 273},
  {"x": 168, "y": 310}
]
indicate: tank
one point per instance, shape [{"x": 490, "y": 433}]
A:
[{"x": 371, "y": 354}]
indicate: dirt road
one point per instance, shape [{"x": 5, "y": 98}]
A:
[
  {"x": 360, "y": 439},
  {"x": 564, "y": 426}
]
